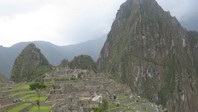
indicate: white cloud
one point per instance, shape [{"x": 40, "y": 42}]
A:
[
  {"x": 57, "y": 21},
  {"x": 69, "y": 21},
  {"x": 41, "y": 24}
]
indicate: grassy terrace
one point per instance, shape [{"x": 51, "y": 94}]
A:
[
  {"x": 44, "y": 108},
  {"x": 23, "y": 87},
  {"x": 34, "y": 108},
  {"x": 22, "y": 92},
  {"x": 27, "y": 96},
  {"x": 20, "y": 107},
  {"x": 15, "y": 87},
  {"x": 42, "y": 98}
]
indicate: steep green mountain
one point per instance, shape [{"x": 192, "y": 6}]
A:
[
  {"x": 54, "y": 54},
  {"x": 83, "y": 62},
  {"x": 29, "y": 65},
  {"x": 149, "y": 50},
  {"x": 64, "y": 63}
]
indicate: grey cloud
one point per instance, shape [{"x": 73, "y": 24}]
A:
[
  {"x": 191, "y": 21},
  {"x": 81, "y": 20},
  {"x": 186, "y": 11}
]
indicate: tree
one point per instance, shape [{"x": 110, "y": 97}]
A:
[{"x": 37, "y": 86}]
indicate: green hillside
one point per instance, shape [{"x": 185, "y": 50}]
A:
[{"x": 29, "y": 65}]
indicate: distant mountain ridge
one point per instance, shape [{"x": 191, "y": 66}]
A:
[{"x": 54, "y": 54}]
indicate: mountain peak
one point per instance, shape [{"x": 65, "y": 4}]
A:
[
  {"x": 84, "y": 62},
  {"x": 31, "y": 45},
  {"x": 29, "y": 65},
  {"x": 147, "y": 46}
]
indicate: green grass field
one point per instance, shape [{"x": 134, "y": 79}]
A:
[
  {"x": 20, "y": 107},
  {"x": 42, "y": 98},
  {"x": 22, "y": 91},
  {"x": 23, "y": 87},
  {"x": 44, "y": 108},
  {"x": 24, "y": 97}
]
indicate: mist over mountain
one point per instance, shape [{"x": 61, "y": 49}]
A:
[
  {"x": 191, "y": 23},
  {"x": 184, "y": 10},
  {"x": 54, "y": 54}
]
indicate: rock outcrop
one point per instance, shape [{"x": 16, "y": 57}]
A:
[
  {"x": 29, "y": 65},
  {"x": 149, "y": 50}
]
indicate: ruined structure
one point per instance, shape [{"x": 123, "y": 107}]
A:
[{"x": 85, "y": 93}]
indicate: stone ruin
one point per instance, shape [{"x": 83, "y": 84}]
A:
[{"x": 82, "y": 94}]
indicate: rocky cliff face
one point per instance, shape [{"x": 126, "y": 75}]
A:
[
  {"x": 149, "y": 50},
  {"x": 29, "y": 65}
]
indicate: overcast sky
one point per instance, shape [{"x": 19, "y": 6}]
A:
[{"x": 64, "y": 22}]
